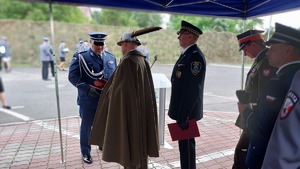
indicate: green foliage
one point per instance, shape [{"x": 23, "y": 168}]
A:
[
  {"x": 218, "y": 47},
  {"x": 13, "y": 9},
  {"x": 126, "y": 18},
  {"x": 215, "y": 24}
]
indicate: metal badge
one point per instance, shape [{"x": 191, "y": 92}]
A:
[{"x": 178, "y": 74}]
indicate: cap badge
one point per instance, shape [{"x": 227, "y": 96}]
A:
[
  {"x": 195, "y": 67},
  {"x": 290, "y": 101}
]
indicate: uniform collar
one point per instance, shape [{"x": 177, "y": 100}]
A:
[{"x": 185, "y": 49}]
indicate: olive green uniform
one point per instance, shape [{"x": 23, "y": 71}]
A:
[{"x": 259, "y": 74}]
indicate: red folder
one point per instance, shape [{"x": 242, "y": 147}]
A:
[{"x": 178, "y": 134}]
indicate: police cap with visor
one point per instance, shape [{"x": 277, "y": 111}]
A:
[
  {"x": 249, "y": 36},
  {"x": 286, "y": 35},
  {"x": 98, "y": 38},
  {"x": 188, "y": 27}
]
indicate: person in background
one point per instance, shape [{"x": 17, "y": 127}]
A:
[
  {"x": 143, "y": 49},
  {"x": 87, "y": 71},
  {"x": 63, "y": 50},
  {"x": 284, "y": 145},
  {"x": 187, "y": 81},
  {"x": 5, "y": 54},
  {"x": 284, "y": 54},
  {"x": 82, "y": 46},
  {"x": 87, "y": 45},
  {"x": 46, "y": 55},
  {"x": 252, "y": 44},
  {"x": 125, "y": 125},
  {"x": 2, "y": 96}
]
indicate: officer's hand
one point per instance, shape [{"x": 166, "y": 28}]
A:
[
  {"x": 93, "y": 92},
  {"x": 242, "y": 107},
  {"x": 183, "y": 125}
]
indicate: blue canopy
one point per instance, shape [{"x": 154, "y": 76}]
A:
[{"x": 241, "y": 9}]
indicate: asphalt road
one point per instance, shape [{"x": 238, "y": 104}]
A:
[{"x": 32, "y": 98}]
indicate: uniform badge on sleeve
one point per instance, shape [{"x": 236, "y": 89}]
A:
[
  {"x": 289, "y": 103},
  {"x": 195, "y": 67}
]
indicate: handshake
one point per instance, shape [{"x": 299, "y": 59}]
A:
[{"x": 97, "y": 87}]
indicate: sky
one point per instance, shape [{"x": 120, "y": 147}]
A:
[{"x": 287, "y": 18}]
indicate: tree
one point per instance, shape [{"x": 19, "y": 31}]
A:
[
  {"x": 12, "y": 9},
  {"x": 126, "y": 18},
  {"x": 215, "y": 24}
]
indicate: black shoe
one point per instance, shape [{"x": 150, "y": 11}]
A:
[
  {"x": 6, "y": 107},
  {"x": 87, "y": 159},
  {"x": 100, "y": 148}
]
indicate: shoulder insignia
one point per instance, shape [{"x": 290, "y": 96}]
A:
[
  {"x": 195, "y": 51},
  {"x": 195, "y": 67},
  {"x": 289, "y": 103},
  {"x": 110, "y": 62},
  {"x": 253, "y": 70},
  {"x": 108, "y": 52},
  {"x": 82, "y": 51}
]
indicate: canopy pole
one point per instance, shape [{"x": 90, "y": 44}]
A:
[
  {"x": 269, "y": 27},
  {"x": 56, "y": 81},
  {"x": 243, "y": 61},
  {"x": 242, "y": 67}
]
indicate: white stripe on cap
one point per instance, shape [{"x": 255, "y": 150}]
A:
[{"x": 286, "y": 36}]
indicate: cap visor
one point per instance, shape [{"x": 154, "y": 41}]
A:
[
  {"x": 270, "y": 42},
  {"x": 242, "y": 46}
]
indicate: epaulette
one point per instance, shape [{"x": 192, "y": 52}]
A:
[
  {"x": 82, "y": 51},
  {"x": 109, "y": 53}
]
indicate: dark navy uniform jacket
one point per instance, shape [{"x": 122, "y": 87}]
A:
[
  {"x": 187, "y": 86},
  {"x": 262, "y": 119},
  {"x": 284, "y": 145},
  {"x": 79, "y": 76}
]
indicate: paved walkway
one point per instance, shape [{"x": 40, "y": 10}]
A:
[{"x": 36, "y": 144}]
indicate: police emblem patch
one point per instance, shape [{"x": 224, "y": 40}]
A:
[
  {"x": 195, "y": 67},
  {"x": 290, "y": 101}
]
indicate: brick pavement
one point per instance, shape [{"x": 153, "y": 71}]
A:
[{"x": 36, "y": 144}]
